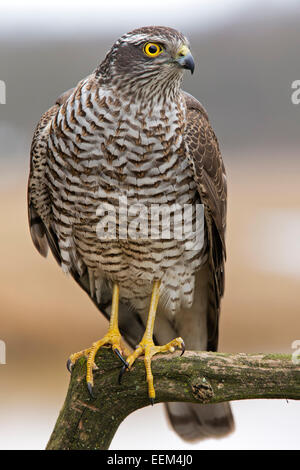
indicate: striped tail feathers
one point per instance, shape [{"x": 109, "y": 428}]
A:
[{"x": 195, "y": 422}]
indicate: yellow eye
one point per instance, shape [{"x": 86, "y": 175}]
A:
[{"x": 152, "y": 49}]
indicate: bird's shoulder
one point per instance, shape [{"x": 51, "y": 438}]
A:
[
  {"x": 42, "y": 130},
  {"x": 90, "y": 82},
  {"x": 192, "y": 103}
]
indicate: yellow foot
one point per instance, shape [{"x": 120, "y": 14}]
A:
[
  {"x": 114, "y": 339},
  {"x": 148, "y": 349}
]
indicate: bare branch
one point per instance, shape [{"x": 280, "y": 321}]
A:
[{"x": 197, "y": 377}]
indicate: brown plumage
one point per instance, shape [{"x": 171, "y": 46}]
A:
[{"x": 129, "y": 130}]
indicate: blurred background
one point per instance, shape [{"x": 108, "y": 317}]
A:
[{"x": 247, "y": 57}]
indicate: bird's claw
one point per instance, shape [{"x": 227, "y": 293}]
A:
[
  {"x": 90, "y": 389},
  {"x": 122, "y": 372},
  {"x": 69, "y": 365},
  {"x": 183, "y": 348},
  {"x": 117, "y": 352}
]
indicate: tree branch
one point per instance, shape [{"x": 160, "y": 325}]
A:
[{"x": 197, "y": 377}]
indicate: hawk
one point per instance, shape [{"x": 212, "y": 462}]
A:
[{"x": 129, "y": 133}]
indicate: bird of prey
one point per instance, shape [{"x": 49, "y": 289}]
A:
[{"x": 129, "y": 133}]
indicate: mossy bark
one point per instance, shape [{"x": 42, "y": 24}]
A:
[{"x": 196, "y": 377}]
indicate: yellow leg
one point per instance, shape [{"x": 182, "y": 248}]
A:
[
  {"x": 112, "y": 337},
  {"x": 147, "y": 347}
]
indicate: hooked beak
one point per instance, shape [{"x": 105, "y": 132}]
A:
[{"x": 185, "y": 59}]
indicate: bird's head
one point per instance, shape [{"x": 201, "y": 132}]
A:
[{"x": 146, "y": 60}]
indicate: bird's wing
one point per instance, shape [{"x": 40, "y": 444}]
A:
[
  {"x": 39, "y": 207},
  {"x": 39, "y": 212},
  {"x": 210, "y": 177}
]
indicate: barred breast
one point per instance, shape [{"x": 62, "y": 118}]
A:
[{"x": 109, "y": 157}]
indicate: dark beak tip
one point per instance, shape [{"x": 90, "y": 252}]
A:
[{"x": 189, "y": 63}]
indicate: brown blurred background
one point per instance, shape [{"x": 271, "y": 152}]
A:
[{"x": 247, "y": 56}]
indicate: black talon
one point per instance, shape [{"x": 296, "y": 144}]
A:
[
  {"x": 121, "y": 357},
  {"x": 122, "y": 372},
  {"x": 69, "y": 365},
  {"x": 90, "y": 389},
  {"x": 183, "y": 348},
  {"x": 151, "y": 401}
]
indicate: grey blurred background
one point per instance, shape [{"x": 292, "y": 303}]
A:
[{"x": 247, "y": 57}]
